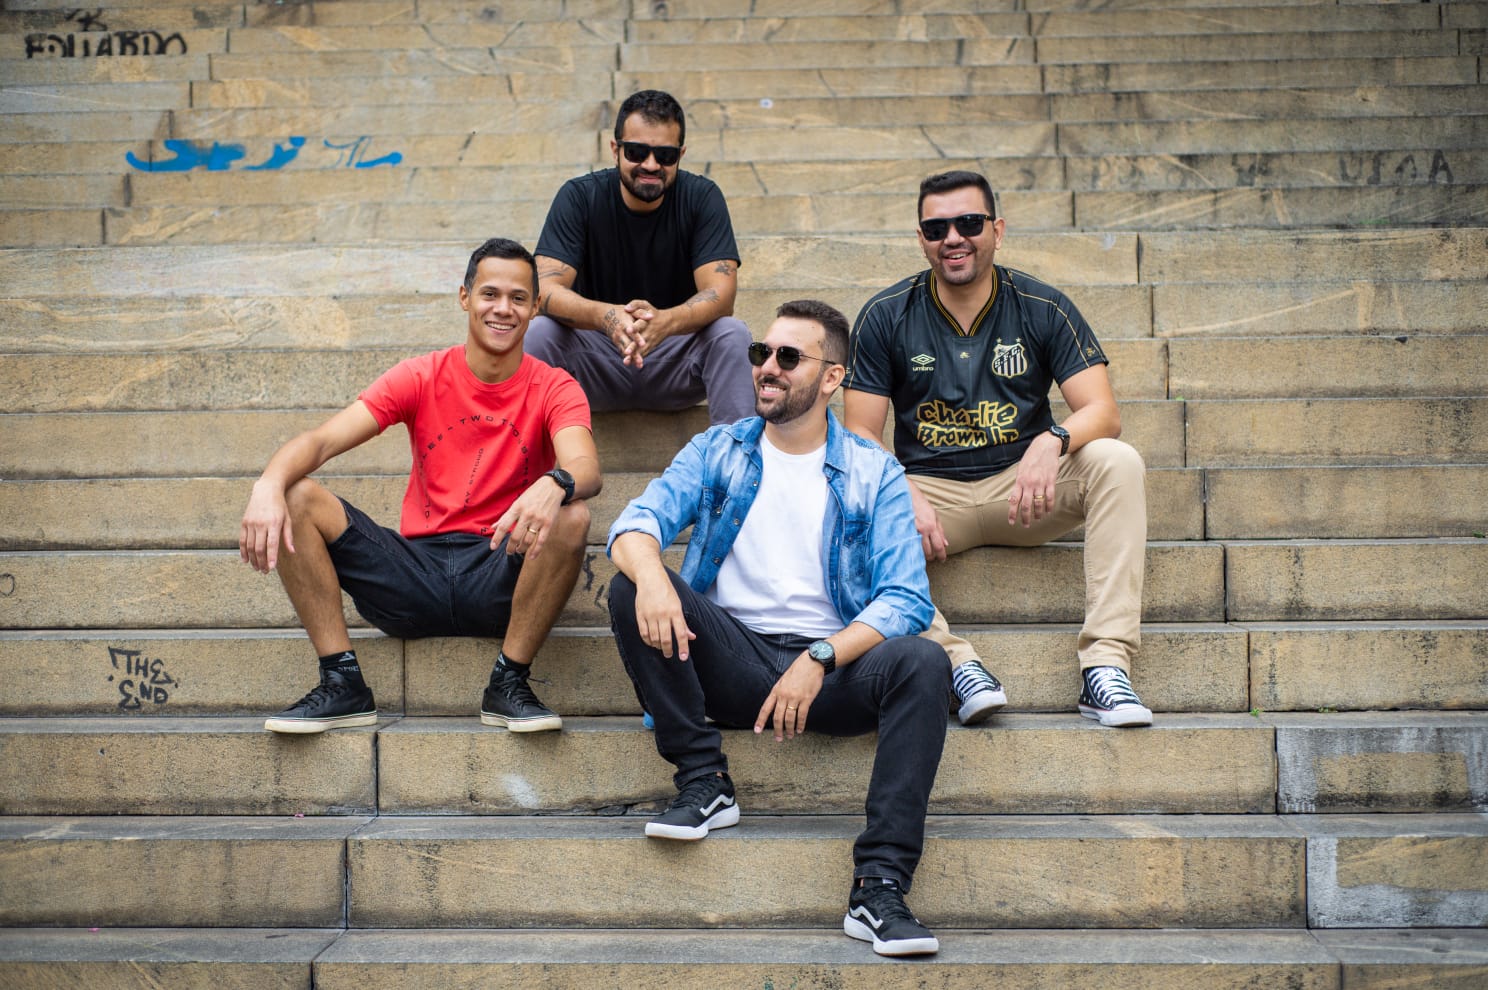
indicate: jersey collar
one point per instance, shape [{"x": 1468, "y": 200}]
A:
[{"x": 976, "y": 324}]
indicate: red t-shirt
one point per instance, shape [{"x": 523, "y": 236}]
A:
[{"x": 476, "y": 446}]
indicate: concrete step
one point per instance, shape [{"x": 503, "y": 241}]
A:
[
  {"x": 1205, "y": 871},
  {"x": 68, "y": 43},
  {"x": 1273, "y": 134},
  {"x": 1315, "y": 306},
  {"x": 838, "y": 27},
  {"x": 1374, "y": 580},
  {"x": 173, "y": 444},
  {"x": 1225, "y": 19},
  {"x": 456, "y": 60},
  {"x": 1324, "y": 43},
  {"x": 1337, "y": 431},
  {"x": 1171, "y": 959},
  {"x": 331, "y": 94},
  {"x": 1312, "y": 256},
  {"x": 1291, "y": 102},
  {"x": 1185, "y": 667},
  {"x": 206, "y": 588},
  {"x": 1195, "y": 76},
  {"x": 1282, "y": 208},
  {"x": 1186, "y": 764},
  {"x": 751, "y": 81},
  {"x": 685, "y": 57},
  {"x": 93, "y": 97},
  {"x": 1282, "y": 367},
  {"x": 1361, "y": 502},
  {"x": 600, "y": 35},
  {"x": 1272, "y": 170}
]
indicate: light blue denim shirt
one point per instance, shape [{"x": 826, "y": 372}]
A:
[{"x": 871, "y": 556}]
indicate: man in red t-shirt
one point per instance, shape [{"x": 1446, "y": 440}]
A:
[{"x": 493, "y": 526}]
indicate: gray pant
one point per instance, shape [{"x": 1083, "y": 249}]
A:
[{"x": 681, "y": 371}]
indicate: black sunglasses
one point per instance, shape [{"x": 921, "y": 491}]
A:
[
  {"x": 667, "y": 155},
  {"x": 967, "y": 225},
  {"x": 785, "y": 355}
]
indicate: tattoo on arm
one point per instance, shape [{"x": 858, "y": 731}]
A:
[
  {"x": 702, "y": 298},
  {"x": 724, "y": 268}
]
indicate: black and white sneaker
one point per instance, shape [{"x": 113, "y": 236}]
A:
[
  {"x": 876, "y": 913},
  {"x": 704, "y": 803},
  {"x": 334, "y": 703},
  {"x": 1109, "y": 699},
  {"x": 509, "y": 702},
  {"x": 979, "y": 693}
]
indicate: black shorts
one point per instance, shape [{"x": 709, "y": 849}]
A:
[{"x": 452, "y": 584}]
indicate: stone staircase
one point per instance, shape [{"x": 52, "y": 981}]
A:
[{"x": 1274, "y": 215}]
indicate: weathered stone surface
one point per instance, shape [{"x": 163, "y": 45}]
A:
[
  {"x": 1356, "y": 580},
  {"x": 1282, "y": 208},
  {"x": 1208, "y": 871},
  {"x": 70, "y": 158},
  {"x": 1244, "y": 368},
  {"x": 26, "y": 192},
  {"x": 1315, "y": 502},
  {"x": 1230, "y": 21},
  {"x": 184, "y": 766},
  {"x": 212, "y": 872},
  {"x": 1275, "y": 134},
  {"x": 1370, "y": 762},
  {"x": 892, "y": 176},
  {"x": 51, "y": 228},
  {"x": 1392, "y": 169},
  {"x": 1395, "y": 959},
  {"x": 1261, "y": 432},
  {"x": 722, "y": 82},
  {"x": 587, "y": 33},
  {"x": 1431, "y": 665},
  {"x": 1298, "y": 102},
  {"x": 1366, "y": 872},
  {"x": 667, "y": 58},
  {"x": 1115, "y": 77},
  {"x": 1320, "y": 307},
  {"x": 94, "y": 97},
  {"x": 135, "y": 675},
  {"x": 1207, "y": 47},
  {"x": 829, "y": 27},
  {"x": 501, "y": 93},
  {"x": 1305, "y": 256},
  {"x": 40, "y": 128},
  {"x": 1050, "y": 764},
  {"x": 159, "y": 958},
  {"x": 385, "y": 122}
]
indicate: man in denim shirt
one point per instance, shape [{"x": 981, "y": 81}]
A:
[{"x": 799, "y": 602}]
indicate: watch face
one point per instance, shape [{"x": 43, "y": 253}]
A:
[{"x": 821, "y": 650}]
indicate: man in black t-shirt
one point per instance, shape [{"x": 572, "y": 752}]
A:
[
  {"x": 638, "y": 270},
  {"x": 966, "y": 353}
]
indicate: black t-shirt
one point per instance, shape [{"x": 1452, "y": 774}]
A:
[
  {"x": 621, "y": 255},
  {"x": 967, "y": 404}
]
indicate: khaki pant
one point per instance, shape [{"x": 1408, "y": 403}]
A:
[{"x": 1101, "y": 485}]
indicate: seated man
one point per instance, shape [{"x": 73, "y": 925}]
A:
[
  {"x": 798, "y": 605},
  {"x": 639, "y": 267},
  {"x": 494, "y": 526},
  {"x": 966, "y": 353}
]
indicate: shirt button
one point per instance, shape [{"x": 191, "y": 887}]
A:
[{"x": 717, "y": 560}]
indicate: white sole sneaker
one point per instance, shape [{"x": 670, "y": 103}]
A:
[
  {"x": 854, "y": 928},
  {"x": 546, "y": 723},
  {"x": 306, "y": 726},
  {"x": 1120, "y": 717},
  {"x": 981, "y": 706},
  {"x": 722, "y": 818}
]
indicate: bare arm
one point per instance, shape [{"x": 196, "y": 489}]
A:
[
  {"x": 557, "y": 299},
  {"x": 265, "y": 521},
  {"x": 532, "y": 515}
]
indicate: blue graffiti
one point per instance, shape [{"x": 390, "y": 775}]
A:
[{"x": 219, "y": 157}]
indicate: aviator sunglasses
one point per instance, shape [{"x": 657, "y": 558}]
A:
[
  {"x": 936, "y": 228},
  {"x": 636, "y": 152},
  {"x": 785, "y": 355}
]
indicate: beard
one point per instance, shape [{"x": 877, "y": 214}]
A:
[
  {"x": 645, "y": 193},
  {"x": 795, "y": 403}
]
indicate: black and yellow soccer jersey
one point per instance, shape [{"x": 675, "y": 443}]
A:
[{"x": 968, "y": 402}]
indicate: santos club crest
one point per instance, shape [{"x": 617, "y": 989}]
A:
[{"x": 1010, "y": 360}]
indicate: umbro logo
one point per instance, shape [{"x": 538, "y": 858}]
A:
[{"x": 923, "y": 362}]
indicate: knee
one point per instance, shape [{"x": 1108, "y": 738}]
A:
[
  {"x": 924, "y": 664},
  {"x": 622, "y": 597},
  {"x": 309, "y": 500},
  {"x": 1116, "y": 459},
  {"x": 571, "y": 529}
]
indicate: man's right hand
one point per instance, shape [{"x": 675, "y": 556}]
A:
[
  {"x": 265, "y": 523},
  {"x": 659, "y": 617},
  {"x": 626, "y": 331},
  {"x": 927, "y": 523}
]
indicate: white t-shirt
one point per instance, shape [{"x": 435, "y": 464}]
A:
[{"x": 773, "y": 580}]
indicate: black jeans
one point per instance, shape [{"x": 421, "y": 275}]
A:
[{"x": 898, "y": 688}]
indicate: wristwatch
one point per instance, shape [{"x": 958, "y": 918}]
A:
[
  {"x": 1063, "y": 436},
  {"x": 565, "y": 481},
  {"x": 823, "y": 653}
]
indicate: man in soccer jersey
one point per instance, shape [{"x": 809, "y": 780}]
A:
[
  {"x": 964, "y": 354},
  {"x": 639, "y": 269},
  {"x": 494, "y": 521}
]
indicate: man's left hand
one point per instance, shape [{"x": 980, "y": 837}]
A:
[
  {"x": 648, "y": 330},
  {"x": 791, "y": 698},
  {"x": 530, "y": 518},
  {"x": 1032, "y": 496}
]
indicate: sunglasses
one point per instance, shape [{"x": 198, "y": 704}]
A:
[
  {"x": 635, "y": 152},
  {"x": 967, "y": 225},
  {"x": 785, "y": 355}
]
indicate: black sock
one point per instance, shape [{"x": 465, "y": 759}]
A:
[
  {"x": 504, "y": 662},
  {"x": 344, "y": 663}
]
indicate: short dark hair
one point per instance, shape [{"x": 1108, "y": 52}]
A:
[
  {"x": 944, "y": 182},
  {"x": 655, "y": 107},
  {"x": 834, "y": 346},
  {"x": 500, "y": 247}
]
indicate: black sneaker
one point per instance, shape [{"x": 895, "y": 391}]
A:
[
  {"x": 876, "y": 913},
  {"x": 1108, "y": 698},
  {"x": 704, "y": 803},
  {"x": 979, "y": 693},
  {"x": 334, "y": 703},
  {"x": 510, "y": 702}
]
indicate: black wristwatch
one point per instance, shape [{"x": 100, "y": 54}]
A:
[
  {"x": 565, "y": 481},
  {"x": 823, "y": 653},
  {"x": 1063, "y": 436}
]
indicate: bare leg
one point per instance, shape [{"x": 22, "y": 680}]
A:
[
  {"x": 309, "y": 577},
  {"x": 545, "y": 583}
]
